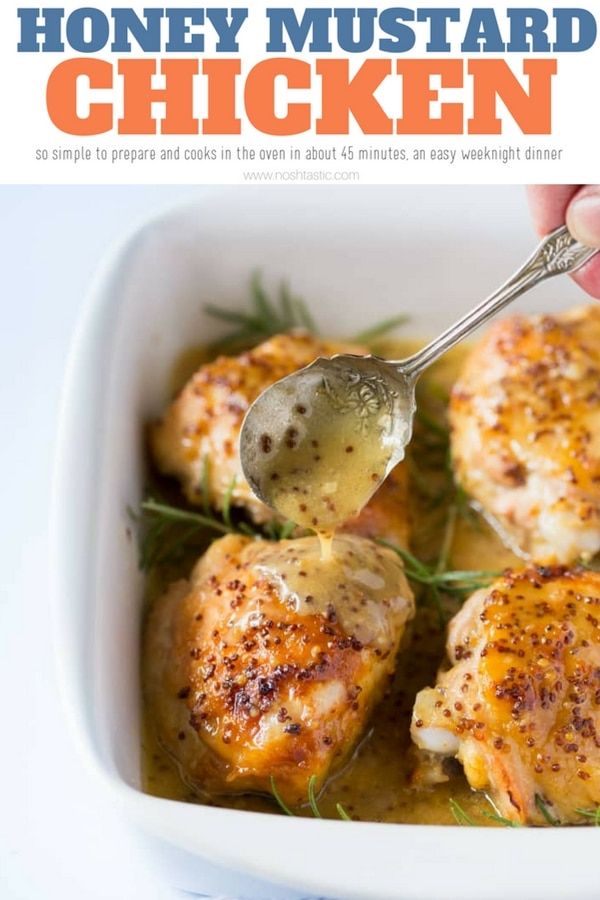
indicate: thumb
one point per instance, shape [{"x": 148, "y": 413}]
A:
[{"x": 583, "y": 215}]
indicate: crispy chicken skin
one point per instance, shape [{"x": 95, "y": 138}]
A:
[
  {"x": 520, "y": 707},
  {"x": 204, "y": 422},
  {"x": 525, "y": 418},
  {"x": 242, "y": 686}
]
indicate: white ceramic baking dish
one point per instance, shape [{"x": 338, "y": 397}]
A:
[{"x": 355, "y": 255}]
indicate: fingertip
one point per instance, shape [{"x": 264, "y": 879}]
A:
[
  {"x": 583, "y": 215},
  {"x": 588, "y": 277},
  {"x": 536, "y": 200},
  {"x": 548, "y": 204}
]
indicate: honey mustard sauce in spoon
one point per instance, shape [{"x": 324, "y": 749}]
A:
[{"x": 316, "y": 445}]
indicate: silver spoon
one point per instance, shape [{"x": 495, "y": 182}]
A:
[{"x": 364, "y": 403}]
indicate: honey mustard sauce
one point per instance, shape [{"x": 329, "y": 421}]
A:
[
  {"x": 323, "y": 441},
  {"x": 364, "y": 577}
]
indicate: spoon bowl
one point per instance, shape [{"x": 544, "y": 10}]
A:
[{"x": 357, "y": 408}]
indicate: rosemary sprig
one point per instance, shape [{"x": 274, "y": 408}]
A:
[
  {"x": 436, "y": 581},
  {"x": 593, "y": 814},
  {"x": 279, "y": 531},
  {"x": 449, "y": 582},
  {"x": 226, "y": 509},
  {"x": 501, "y": 820},
  {"x": 168, "y": 530},
  {"x": 174, "y": 514},
  {"x": 447, "y": 539},
  {"x": 461, "y": 817},
  {"x": 312, "y": 801},
  {"x": 380, "y": 329},
  {"x": 265, "y": 318},
  {"x": 278, "y": 799},
  {"x": 342, "y": 813},
  {"x": 543, "y": 808},
  {"x": 431, "y": 443}
]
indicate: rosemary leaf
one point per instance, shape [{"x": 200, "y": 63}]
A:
[
  {"x": 543, "y": 808},
  {"x": 271, "y": 530},
  {"x": 278, "y": 799},
  {"x": 380, "y": 329},
  {"x": 439, "y": 606},
  {"x": 279, "y": 531},
  {"x": 501, "y": 820},
  {"x": 163, "y": 531},
  {"x": 174, "y": 514},
  {"x": 461, "y": 817},
  {"x": 226, "y": 510},
  {"x": 178, "y": 542},
  {"x": 312, "y": 800},
  {"x": 266, "y": 312},
  {"x": 303, "y": 315},
  {"x": 229, "y": 315},
  {"x": 446, "y": 581},
  {"x": 286, "y": 530},
  {"x": 167, "y": 531},
  {"x": 265, "y": 319},
  {"x": 590, "y": 814},
  {"x": 470, "y": 575},
  {"x": 287, "y": 303},
  {"x": 407, "y": 557},
  {"x": 244, "y": 528},
  {"x": 150, "y": 547},
  {"x": 447, "y": 539}
]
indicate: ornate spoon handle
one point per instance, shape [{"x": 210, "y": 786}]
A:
[{"x": 558, "y": 253}]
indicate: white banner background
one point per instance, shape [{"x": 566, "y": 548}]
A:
[{"x": 27, "y": 127}]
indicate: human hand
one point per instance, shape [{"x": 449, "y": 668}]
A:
[{"x": 579, "y": 206}]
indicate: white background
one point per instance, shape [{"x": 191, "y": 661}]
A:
[{"x": 25, "y": 120}]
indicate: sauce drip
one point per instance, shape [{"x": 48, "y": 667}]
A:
[
  {"x": 334, "y": 432},
  {"x": 366, "y": 579},
  {"x": 326, "y": 544}
]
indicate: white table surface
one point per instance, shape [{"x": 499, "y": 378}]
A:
[{"x": 58, "y": 837}]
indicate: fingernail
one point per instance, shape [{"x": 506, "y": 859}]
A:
[{"x": 583, "y": 217}]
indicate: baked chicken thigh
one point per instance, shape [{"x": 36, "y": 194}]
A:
[
  {"x": 520, "y": 707},
  {"x": 525, "y": 417},
  {"x": 267, "y": 663}
]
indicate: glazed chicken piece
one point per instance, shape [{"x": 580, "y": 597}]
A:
[
  {"x": 525, "y": 417},
  {"x": 520, "y": 707},
  {"x": 267, "y": 662},
  {"x": 202, "y": 426}
]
